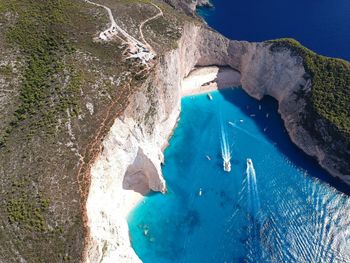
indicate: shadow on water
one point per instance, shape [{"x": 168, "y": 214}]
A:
[{"x": 270, "y": 123}]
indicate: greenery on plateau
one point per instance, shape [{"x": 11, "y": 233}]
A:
[
  {"x": 26, "y": 208},
  {"x": 37, "y": 32},
  {"x": 45, "y": 92},
  {"x": 330, "y": 96}
]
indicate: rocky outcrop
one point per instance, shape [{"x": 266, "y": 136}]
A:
[
  {"x": 188, "y": 6},
  {"x": 132, "y": 152}
]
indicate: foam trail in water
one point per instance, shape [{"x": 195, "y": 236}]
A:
[
  {"x": 247, "y": 132},
  {"x": 255, "y": 217},
  {"x": 252, "y": 187},
  {"x": 225, "y": 149}
]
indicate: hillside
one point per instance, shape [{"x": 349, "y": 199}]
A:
[{"x": 61, "y": 88}]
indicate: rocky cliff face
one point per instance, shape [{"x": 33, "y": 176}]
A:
[
  {"x": 132, "y": 152},
  {"x": 131, "y": 159},
  {"x": 188, "y": 6}
]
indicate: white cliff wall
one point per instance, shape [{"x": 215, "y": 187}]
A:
[{"x": 132, "y": 156}]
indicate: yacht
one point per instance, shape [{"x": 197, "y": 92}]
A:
[
  {"x": 210, "y": 96},
  {"x": 227, "y": 166},
  {"x": 249, "y": 161}
]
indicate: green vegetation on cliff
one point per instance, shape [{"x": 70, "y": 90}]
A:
[
  {"x": 38, "y": 32},
  {"x": 330, "y": 95},
  {"x": 46, "y": 85}
]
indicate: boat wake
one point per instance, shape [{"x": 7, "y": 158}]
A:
[
  {"x": 253, "y": 194},
  {"x": 254, "y": 214},
  {"x": 225, "y": 150}
]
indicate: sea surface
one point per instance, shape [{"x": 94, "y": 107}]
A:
[
  {"x": 282, "y": 208},
  {"x": 321, "y": 25}
]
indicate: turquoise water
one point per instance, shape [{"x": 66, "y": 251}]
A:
[{"x": 295, "y": 212}]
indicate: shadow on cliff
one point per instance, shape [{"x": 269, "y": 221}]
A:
[{"x": 266, "y": 117}]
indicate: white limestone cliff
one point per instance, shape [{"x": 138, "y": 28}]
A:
[{"x": 131, "y": 161}]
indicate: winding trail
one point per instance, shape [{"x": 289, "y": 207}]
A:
[
  {"x": 146, "y": 21},
  {"x": 114, "y": 26},
  {"x": 144, "y": 50}
]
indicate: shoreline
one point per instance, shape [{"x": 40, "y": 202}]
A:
[
  {"x": 131, "y": 200},
  {"x": 205, "y": 79}
]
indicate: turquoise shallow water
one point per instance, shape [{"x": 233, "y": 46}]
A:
[{"x": 295, "y": 212}]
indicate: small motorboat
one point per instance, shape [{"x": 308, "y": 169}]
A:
[
  {"x": 240, "y": 121},
  {"x": 267, "y": 115},
  {"x": 259, "y": 107},
  {"x": 231, "y": 123},
  {"x": 249, "y": 161},
  {"x": 227, "y": 166},
  {"x": 208, "y": 157},
  {"x": 210, "y": 96},
  {"x": 200, "y": 192}
]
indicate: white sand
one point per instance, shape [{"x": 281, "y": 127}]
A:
[
  {"x": 205, "y": 79},
  {"x": 130, "y": 200}
]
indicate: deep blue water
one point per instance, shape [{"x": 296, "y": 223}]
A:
[
  {"x": 321, "y": 25},
  {"x": 295, "y": 212}
]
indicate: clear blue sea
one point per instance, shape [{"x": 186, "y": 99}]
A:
[
  {"x": 321, "y": 25},
  {"x": 290, "y": 211}
]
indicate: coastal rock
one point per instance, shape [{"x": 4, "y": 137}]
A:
[
  {"x": 188, "y": 6},
  {"x": 132, "y": 152}
]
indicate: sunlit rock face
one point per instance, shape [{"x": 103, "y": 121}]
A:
[{"x": 130, "y": 162}]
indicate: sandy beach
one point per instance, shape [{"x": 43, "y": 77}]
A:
[
  {"x": 130, "y": 199},
  {"x": 206, "y": 79}
]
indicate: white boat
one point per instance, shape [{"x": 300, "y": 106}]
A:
[
  {"x": 240, "y": 121},
  {"x": 231, "y": 123},
  {"x": 227, "y": 166},
  {"x": 200, "y": 192},
  {"x": 210, "y": 96},
  {"x": 208, "y": 157},
  {"x": 249, "y": 161}
]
